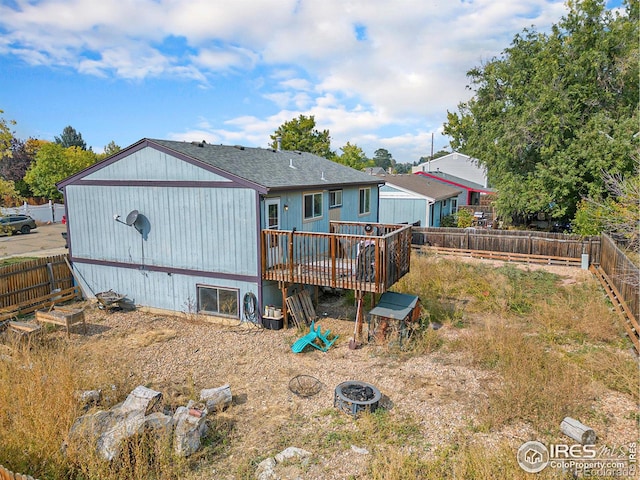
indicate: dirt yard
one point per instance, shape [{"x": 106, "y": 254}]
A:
[{"x": 180, "y": 356}]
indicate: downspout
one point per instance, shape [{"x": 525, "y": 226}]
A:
[
  {"x": 378, "y": 201},
  {"x": 259, "y": 263}
]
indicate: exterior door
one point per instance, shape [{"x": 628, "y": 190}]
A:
[{"x": 272, "y": 220}]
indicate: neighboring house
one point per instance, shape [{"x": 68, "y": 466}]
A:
[
  {"x": 470, "y": 192},
  {"x": 193, "y": 227},
  {"x": 375, "y": 171},
  {"x": 414, "y": 198},
  {"x": 456, "y": 164}
]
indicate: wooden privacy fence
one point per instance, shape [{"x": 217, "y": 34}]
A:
[
  {"x": 624, "y": 275},
  {"x": 552, "y": 245},
  {"x": 541, "y": 247},
  {"x": 26, "y": 286},
  {"x": 6, "y": 474}
]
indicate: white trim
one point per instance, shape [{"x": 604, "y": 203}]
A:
[
  {"x": 267, "y": 203},
  {"x": 313, "y": 193},
  {"x": 403, "y": 193}
]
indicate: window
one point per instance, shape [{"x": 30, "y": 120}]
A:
[
  {"x": 364, "y": 206},
  {"x": 335, "y": 198},
  {"x": 454, "y": 205},
  {"x": 218, "y": 301},
  {"x": 312, "y": 206},
  {"x": 273, "y": 213}
]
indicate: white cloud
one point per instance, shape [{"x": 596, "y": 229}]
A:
[{"x": 366, "y": 69}]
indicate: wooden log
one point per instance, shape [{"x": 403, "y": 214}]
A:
[
  {"x": 216, "y": 398},
  {"x": 578, "y": 431}
]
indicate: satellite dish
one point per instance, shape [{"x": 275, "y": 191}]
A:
[{"x": 132, "y": 217}]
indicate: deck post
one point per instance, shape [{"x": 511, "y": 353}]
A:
[
  {"x": 359, "y": 314},
  {"x": 290, "y": 253},
  {"x": 332, "y": 252},
  {"x": 285, "y": 314}
]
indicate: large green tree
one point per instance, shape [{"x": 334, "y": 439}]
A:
[
  {"x": 54, "y": 163},
  {"x": 110, "y": 149},
  {"x": 353, "y": 156},
  {"x": 6, "y": 135},
  {"x": 14, "y": 166},
  {"x": 71, "y": 138},
  {"x": 383, "y": 159},
  {"x": 301, "y": 134},
  {"x": 555, "y": 110}
]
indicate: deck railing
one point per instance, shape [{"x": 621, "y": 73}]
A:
[{"x": 344, "y": 258}]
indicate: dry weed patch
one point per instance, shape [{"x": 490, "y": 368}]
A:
[
  {"x": 537, "y": 385},
  {"x": 517, "y": 351},
  {"x": 38, "y": 404}
]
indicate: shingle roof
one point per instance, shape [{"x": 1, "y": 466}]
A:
[
  {"x": 273, "y": 169},
  {"x": 461, "y": 181},
  {"x": 422, "y": 185}
]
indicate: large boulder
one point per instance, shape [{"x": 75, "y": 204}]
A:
[
  {"x": 106, "y": 430},
  {"x": 189, "y": 427}
]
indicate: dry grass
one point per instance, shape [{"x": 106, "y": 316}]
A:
[
  {"x": 518, "y": 351},
  {"x": 34, "y": 383},
  {"x": 46, "y": 378},
  {"x": 463, "y": 460},
  {"x": 537, "y": 385},
  {"x": 578, "y": 314}
]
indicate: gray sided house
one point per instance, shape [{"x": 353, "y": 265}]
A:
[
  {"x": 470, "y": 192},
  {"x": 458, "y": 165},
  {"x": 179, "y": 226},
  {"x": 413, "y": 198}
]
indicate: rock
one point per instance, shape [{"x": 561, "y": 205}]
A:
[
  {"x": 216, "y": 398},
  {"x": 142, "y": 399},
  {"x": 160, "y": 426},
  {"x": 291, "y": 452},
  {"x": 188, "y": 431},
  {"x": 265, "y": 469},
  {"x": 86, "y": 430},
  {"x": 360, "y": 450},
  {"x": 105, "y": 430},
  {"x": 90, "y": 397}
]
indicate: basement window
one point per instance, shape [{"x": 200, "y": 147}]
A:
[{"x": 218, "y": 301}]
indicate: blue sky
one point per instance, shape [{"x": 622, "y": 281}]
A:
[{"x": 378, "y": 74}]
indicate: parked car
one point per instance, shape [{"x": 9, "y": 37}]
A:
[{"x": 16, "y": 223}]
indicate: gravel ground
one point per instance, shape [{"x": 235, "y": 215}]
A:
[{"x": 180, "y": 356}]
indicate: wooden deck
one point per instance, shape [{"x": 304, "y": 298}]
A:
[{"x": 344, "y": 258}]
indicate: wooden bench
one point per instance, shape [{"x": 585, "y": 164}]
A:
[
  {"x": 65, "y": 317},
  {"x": 26, "y": 330}
]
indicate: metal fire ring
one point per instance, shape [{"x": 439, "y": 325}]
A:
[{"x": 352, "y": 406}]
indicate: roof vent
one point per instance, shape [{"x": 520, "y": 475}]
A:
[
  {"x": 291, "y": 165},
  {"x": 322, "y": 177},
  {"x": 198, "y": 144},
  {"x": 239, "y": 147}
]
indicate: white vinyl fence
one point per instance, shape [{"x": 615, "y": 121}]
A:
[{"x": 48, "y": 213}]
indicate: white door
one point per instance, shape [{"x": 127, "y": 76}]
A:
[{"x": 272, "y": 216}]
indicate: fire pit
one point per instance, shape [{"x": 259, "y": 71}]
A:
[{"x": 353, "y": 397}]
